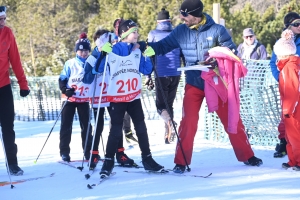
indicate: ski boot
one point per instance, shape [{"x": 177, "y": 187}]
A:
[{"x": 280, "y": 149}]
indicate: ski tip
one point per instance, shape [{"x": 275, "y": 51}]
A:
[{"x": 89, "y": 186}]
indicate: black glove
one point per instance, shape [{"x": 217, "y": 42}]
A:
[
  {"x": 70, "y": 92},
  {"x": 287, "y": 116},
  {"x": 149, "y": 84},
  {"x": 212, "y": 62},
  {"x": 24, "y": 93}
]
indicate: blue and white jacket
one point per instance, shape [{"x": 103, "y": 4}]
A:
[{"x": 194, "y": 45}]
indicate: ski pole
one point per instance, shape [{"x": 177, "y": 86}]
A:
[
  {"x": 168, "y": 109},
  {"x": 88, "y": 128},
  {"x": 52, "y": 128},
  {"x": 99, "y": 105},
  {"x": 6, "y": 163}
]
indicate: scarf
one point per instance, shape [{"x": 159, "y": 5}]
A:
[{"x": 248, "y": 49}]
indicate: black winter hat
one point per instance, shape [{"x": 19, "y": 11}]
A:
[
  {"x": 82, "y": 43},
  {"x": 192, "y": 7},
  {"x": 163, "y": 15},
  {"x": 126, "y": 27},
  {"x": 289, "y": 18}
]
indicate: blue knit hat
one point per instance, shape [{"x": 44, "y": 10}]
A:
[{"x": 82, "y": 43}]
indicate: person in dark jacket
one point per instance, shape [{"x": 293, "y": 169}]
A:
[
  {"x": 292, "y": 22},
  {"x": 9, "y": 56},
  {"x": 195, "y": 37},
  {"x": 251, "y": 48},
  {"x": 166, "y": 68}
]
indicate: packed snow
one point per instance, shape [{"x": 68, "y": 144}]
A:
[{"x": 230, "y": 179}]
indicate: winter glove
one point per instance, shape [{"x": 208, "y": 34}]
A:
[
  {"x": 149, "y": 52},
  {"x": 149, "y": 84},
  {"x": 107, "y": 47},
  {"x": 70, "y": 92},
  {"x": 212, "y": 62},
  {"x": 24, "y": 93}
]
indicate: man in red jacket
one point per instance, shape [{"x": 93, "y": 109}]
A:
[{"x": 9, "y": 55}]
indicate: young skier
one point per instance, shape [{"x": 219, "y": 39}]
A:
[
  {"x": 125, "y": 63},
  {"x": 101, "y": 36},
  {"x": 75, "y": 92},
  {"x": 289, "y": 67}
]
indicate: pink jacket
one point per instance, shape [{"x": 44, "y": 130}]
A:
[{"x": 231, "y": 69}]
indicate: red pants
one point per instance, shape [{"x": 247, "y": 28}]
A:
[
  {"x": 192, "y": 101},
  {"x": 292, "y": 129}
]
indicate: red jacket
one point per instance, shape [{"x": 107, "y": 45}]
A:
[
  {"x": 9, "y": 54},
  {"x": 289, "y": 85}
]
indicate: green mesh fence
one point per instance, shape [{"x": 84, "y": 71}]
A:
[{"x": 260, "y": 107}]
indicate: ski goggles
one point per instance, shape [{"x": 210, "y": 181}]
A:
[
  {"x": 185, "y": 13},
  {"x": 295, "y": 24}
]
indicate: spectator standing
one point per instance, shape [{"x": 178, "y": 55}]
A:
[
  {"x": 9, "y": 55},
  {"x": 251, "y": 48},
  {"x": 166, "y": 68}
]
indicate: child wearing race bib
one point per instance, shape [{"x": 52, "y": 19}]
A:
[
  {"x": 125, "y": 63},
  {"x": 101, "y": 36},
  {"x": 75, "y": 92}
]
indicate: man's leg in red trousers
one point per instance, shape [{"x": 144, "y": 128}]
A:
[
  {"x": 192, "y": 101},
  {"x": 239, "y": 141}
]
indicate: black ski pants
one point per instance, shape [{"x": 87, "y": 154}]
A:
[
  {"x": 169, "y": 86},
  {"x": 117, "y": 111},
  {"x": 100, "y": 127},
  {"x": 67, "y": 117},
  {"x": 7, "y": 116}
]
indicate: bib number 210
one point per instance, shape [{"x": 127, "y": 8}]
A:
[{"x": 130, "y": 84}]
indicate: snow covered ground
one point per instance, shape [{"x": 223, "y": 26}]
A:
[{"x": 230, "y": 179}]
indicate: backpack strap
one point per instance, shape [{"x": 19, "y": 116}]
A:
[{"x": 257, "y": 49}]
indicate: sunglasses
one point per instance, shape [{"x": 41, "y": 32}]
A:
[
  {"x": 2, "y": 9},
  {"x": 250, "y": 36},
  {"x": 295, "y": 24},
  {"x": 185, "y": 14},
  {"x": 4, "y": 18}
]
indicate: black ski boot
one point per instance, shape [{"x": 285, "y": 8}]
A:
[
  {"x": 286, "y": 166},
  {"x": 179, "y": 169},
  {"x": 66, "y": 157},
  {"x": 107, "y": 167},
  {"x": 280, "y": 149},
  {"x": 150, "y": 165},
  {"x": 15, "y": 170},
  {"x": 94, "y": 161},
  {"x": 296, "y": 168},
  {"x": 124, "y": 160},
  {"x": 253, "y": 161}
]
